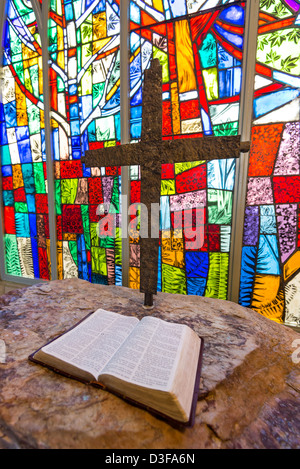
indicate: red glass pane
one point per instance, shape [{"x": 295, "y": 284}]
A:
[
  {"x": 286, "y": 189},
  {"x": 95, "y": 191},
  {"x": 72, "y": 220},
  {"x": 9, "y": 220},
  {"x": 191, "y": 180}
]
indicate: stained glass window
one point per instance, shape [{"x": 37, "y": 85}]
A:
[
  {"x": 24, "y": 178},
  {"x": 84, "y": 75},
  {"x": 201, "y": 58},
  {"x": 270, "y": 276},
  {"x": 85, "y": 109},
  {"x": 199, "y": 44}
]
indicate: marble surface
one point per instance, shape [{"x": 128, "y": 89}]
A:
[{"x": 249, "y": 390}]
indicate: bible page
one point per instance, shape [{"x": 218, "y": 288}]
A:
[
  {"x": 150, "y": 355},
  {"x": 92, "y": 343}
]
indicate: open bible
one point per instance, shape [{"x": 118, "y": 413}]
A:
[{"x": 152, "y": 362}]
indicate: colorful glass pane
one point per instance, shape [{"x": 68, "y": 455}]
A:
[
  {"x": 85, "y": 109},
  {"x": 270, "y": 276},
  {"x": 201, "y": 58},
  {"x": 144, "y": 13},
  {"x": 22, "y": 140}
]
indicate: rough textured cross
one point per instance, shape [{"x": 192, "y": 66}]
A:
[{"x": 150, "y": 153}]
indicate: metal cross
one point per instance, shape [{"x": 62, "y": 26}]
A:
[{"x": 150, "y": 153}]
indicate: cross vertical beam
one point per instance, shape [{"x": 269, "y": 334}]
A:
[{"x": 151, "y": 178}]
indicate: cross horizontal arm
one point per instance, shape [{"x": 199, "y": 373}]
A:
[
  {"x": 195, "y": 149},
  {"x": 128, "y": 154},
  {"x": 167, "y": 151}
]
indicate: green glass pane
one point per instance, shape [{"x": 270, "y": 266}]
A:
[
  {"x": 34, "y": 78},
  {"x": 68, "y": 190},
  {"x": 95, "y": 240},
  {"x": 163, "y": 58},
  {"x": 208, "y": 52},
  {"x": 57, "y": 197},
  {"x": 217, "y": 275},
  {"x": 52, "y": 34},
  {"x": 105, "y": 129},
  {"x": 98, "y": 90},
  {"x": 21, "y": 207},
  {"x": 34, "y": 118},
  {"x": 29, "y": 184},
  {"x": 12, "y": 260},
  {"x": 211, "y": 83},
  {"x": 27, "y": 78},
  {"x": 5, "y": 155},
  {"x": 73, "y": 251},
  {"x": 99, "y": 261},
  {"x": 173, "y": 280},
  {"x": 15, "y": 43},
  {"x": 118, "y": 247},
  {"x": 38, "y": 171},
  {"x": 107, "y": 242},
  {"x": 87, "y": 31},
  {"x": 219, "y": 206},
  {"x": 8, "y": 198},
  {"x": 60, "y": 84},
  {"x": 228, "y": 128},
  {"x": 86, "y": 225},
  {"x": 115, "y": 199}
]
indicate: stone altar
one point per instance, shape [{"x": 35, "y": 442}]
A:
[{"x": 249, "y": 390}]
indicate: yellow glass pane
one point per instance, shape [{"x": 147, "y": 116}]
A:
[
  {"x": 60, "y": 38},
  {"x": 134, "y": 278},
  {"x": 59, "y": 257},
  {"x": 167, "y": 186},
  {"x": 210, "y": 77},
  {"x": 291, "y": 266},
  {"x": 268, "y": 297},
  {"x": 158, "y": 5},
  {"x": 175, "y": 109},
  {"x": 22, "y": 118},
  {"x": 99, "y": 26},
  {"x": 17, "y": 176},
  {"x": 185, "y": 57}
]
